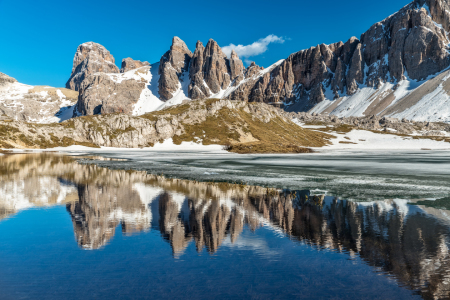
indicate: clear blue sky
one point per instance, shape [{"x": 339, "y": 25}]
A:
[{"x": 39, "y": 38}]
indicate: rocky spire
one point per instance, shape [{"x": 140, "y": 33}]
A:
[
  {"x": 197, "y": 89},
  {"x": 131, "y": 64},
  {"x": 236, "y": 68},
  {"x": 211, "y": 71},
  {"x": 172, "y": 65},
  {"x": 215, "y": 67},
  {"x": 90, "y": 58}
]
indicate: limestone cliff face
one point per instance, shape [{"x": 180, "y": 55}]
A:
[
  {"x": 411, "y": 42},
  {"x": 90, "y": 58},
  {"x": 197, "y": 88},
  {"x": 102, "y": 93},
  {"x": 171, "y": 68},
  {"x": 236, "y": 68}
]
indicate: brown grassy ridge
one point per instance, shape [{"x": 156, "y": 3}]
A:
[{"x": 241, "y": 132}]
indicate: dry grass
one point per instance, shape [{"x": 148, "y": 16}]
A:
[
  {"x": 242, "y": 132},
  {"x": 345, "y": 142},
  {"x": 342, "y": 128},
  {"x": 228, "y": 127}
]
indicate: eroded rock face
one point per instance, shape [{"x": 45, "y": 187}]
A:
[
  {"x": 172, "y": 66},
  {"x": 377, "y": 123},
  {"x": 215, "y": 67},
  {"x": 243, "y": 90},
  {"x": 211, "y": 71},
  {"x": 90, "y": 58},
  {"x": 197, "y": 88},
  {"x": 123, "y": 130},
  {"x": 129, "y": 64},
  {"x": 236, "y": 68},
  {"x": 102, "y": 93}
]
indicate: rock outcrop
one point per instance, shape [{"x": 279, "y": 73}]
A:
[
  {"x": 103, "y": 93},
  {"x": 129, "y": 64},
  {"x": 172, "y": 65},
  {"x": 5, "y": 79},
  {"x": 197, "y": 88},
  {"x": 215, "y": 67},
  {"x": 90, "y": 58}
]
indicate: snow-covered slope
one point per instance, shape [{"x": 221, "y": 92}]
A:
[
  {"x": 150, "y": 100},
  {"x": 426, "y": 100},
  {"x": 40, "y": 104}
]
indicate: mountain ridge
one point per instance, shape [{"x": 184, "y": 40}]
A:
[{"x": 396, "y": 69}]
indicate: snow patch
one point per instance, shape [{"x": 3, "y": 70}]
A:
[{"x": 368, "y": 140}]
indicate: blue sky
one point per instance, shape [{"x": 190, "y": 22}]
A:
[{"x": 39, "y": 38}]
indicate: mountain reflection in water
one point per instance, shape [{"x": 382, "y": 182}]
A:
[{"x": 407, "y": 242}]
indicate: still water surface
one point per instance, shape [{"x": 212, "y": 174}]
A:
[{"x": 71, "y": 229}]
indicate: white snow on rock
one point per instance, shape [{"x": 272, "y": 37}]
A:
[
  {"x": 368, "y": 140},
  {"x": 38, "y": 104},
  {"x": 225, "y": 93},
  {"x": 433, "y": 106},
  {"x": 17, "y": 196},
  {"x": 149, "y": 100}
]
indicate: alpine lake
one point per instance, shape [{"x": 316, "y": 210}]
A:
[{"x": 180, "y": 225}]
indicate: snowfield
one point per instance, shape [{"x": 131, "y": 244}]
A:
[{"x": 38, "y": 104}]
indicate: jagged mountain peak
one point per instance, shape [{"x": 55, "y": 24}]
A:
[
  {"x": 90, "y": 58},
  {"x": 173, "y": 64},
  {"x": 212, "y": 47},
  {"x": 179, "y": 45}
]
